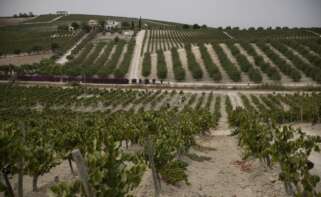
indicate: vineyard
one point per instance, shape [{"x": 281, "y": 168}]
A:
[
  {"x": 43, "y": 18},
  {"x": 169, "y": 53},
  {"x": 259, "y": 61},
  {"x": 157, "y": 137},
  {"x": 31, "y": 38},
  {"x": 128, "y": 106}
]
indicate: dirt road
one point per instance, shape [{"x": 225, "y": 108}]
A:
[{"x": 134, "y": 67}]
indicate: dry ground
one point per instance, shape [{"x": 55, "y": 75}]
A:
[{"x": 25, "y": 59}]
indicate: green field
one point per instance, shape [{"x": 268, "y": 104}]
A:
[
  {"x": 28, "y": 38},
  {"x": 43, "y": 18}
]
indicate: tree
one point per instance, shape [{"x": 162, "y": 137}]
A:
[
  {"x": 102, "y": 23},
  {"x": 11, "y": 150},
  {"x": 108, "y": 173},
  {"x": 54, "y": 46},
  {"x": 17, "y": 51},
  {"x": 62, "y": 28},
  {"x": 196, "y": 26},
  {"x": 75, "y": 25},
  {"x": 36, "y": 48},
  {"x": 185, "y": 26},
  {"x": 125, "y": 24},
  {"x": 85, "y": 27},
  {"x": 140, "y": 22},
  {"x": 204, "y": 26}
]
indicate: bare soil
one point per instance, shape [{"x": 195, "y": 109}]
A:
[
  {"x": 304, "y": 78},
  {"x": 24, "y": 59},
  {"x": 215, "y": 59},
  {"x": 183, "y": 59},
  {"x": 284, "y": 78},
  {"x": 265, "y": 78},
  {"x": 225, "y": 174},
  {"x": 169, "y": 63},
  {"x": 227, "y": 51},
  {"x": 200, "y": 61}
]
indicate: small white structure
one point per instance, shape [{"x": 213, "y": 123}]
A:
[
  {"x": 92, "y": 24},
  {"x": 111, "y": 24},
  {"x": 128, "y": 33},
  {"x": 63, "y": 13},
  {"x": 71, "y": 28}
]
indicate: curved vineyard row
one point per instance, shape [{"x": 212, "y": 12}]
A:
[
  {"x": 210, "y": 66},
  {"x": 246, "y": 67},
  {"x": 283, "y": 65},
  {"x": 266, "y": 67},
  {"x": 228, "y": 66},
  {"x": 179, "y": 72},
  {"x": 193, "y": 65}
]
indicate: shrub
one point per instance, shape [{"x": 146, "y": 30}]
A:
[
  {"x": 179, "y": 72},
  {"x": 146, "y": 65},
  {"x": 161, "y": 65}
]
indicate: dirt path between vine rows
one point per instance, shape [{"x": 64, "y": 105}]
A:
[
  {"x": 184, "y": 62},
  {"x": 227, "y": 51},
  {"x": 215, "y": 59},
  {"x": 225, "y": 174},
  {"x": 153, "y": 70},
  {"x": 199, "y": 60},
  {"x": 304, "y": 78},
  {"x": 64, "y": 59},
  {"x": 265, "y": 78},
  {"x": 284, "y": 78},
  {"x": 134, "y": 71},
  {"x": 170, "y": 67}
]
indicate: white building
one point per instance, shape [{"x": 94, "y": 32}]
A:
[
  {"x": 92, "y": 24},
  {"x": 63, "y": 13},
  {"x": 111, "y": 24},
  {"x": 71, "y": 28}
]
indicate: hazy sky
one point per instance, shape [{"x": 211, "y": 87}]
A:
[{"x": 243, "y": 13}]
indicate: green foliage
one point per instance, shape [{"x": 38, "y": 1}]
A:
[
  {"x": 146, "y": 65},
  {"x": 193, "y": 65},
  {"x": 23, "y": 38},
  {"x": 283, "y": 65},
  {"x": 174, "y": 172},
  {"x": 227, "y": 65},
  {"x": 179, "y": 72},
  {"x": 265, "y": 67},
  {"x": 161, "y": 65},
  {"x": 291, "y": 148},
  {"x": 312, "y": 71},
  {"x": 245, "y": 65},
  {"x": 210, "y": 66},
  {"x": 122, "y": 69}
]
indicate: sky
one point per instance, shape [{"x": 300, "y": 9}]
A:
[{"x": 215, "y": 13}]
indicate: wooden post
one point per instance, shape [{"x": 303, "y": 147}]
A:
[
  {"x": 83, "y": 171},
  {"x": 7, "y": 183},
  {"x": 150, "y": 152},
  {"x": 21, "y": 164}
]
